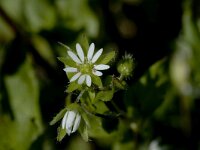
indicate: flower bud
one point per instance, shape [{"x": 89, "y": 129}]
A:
[
  {"x": 71, "y": 121},
  {"x": 125, "y": 66}
]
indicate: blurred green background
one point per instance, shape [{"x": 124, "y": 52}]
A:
[{"x": 162, "y": 101}]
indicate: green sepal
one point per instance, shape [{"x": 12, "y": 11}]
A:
[
  {"x": 74, "y": 106},
  {"x": 67, "y": 61},
  {"x": 84, "y": 44},
  {"x": 72, "y": 87},
  {"x": 106, "y": 58},
  {"x": 61, "y": 133},
  {"x": 65, "y": 46},
  {"x": 97, "y": 81},
  {"x": 58, "y": 116},
  {"x": 105, "y": 95}
]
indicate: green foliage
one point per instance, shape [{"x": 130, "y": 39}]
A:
[
  {"x": 61, "y": 134},
  {"x": 156, "y": 107},
  {"x": 58, "y": 116},
  {"x": 106, "y": 58},
  {"x": 105, "y": 95},
  {"x": 23, "y": 92}
]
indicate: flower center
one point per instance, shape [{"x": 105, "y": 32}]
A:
[{"x": 85, "y": 68}]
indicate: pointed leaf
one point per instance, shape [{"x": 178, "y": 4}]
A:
[
  {"x": 61, "y": 134},
  {"x": 72, "y": 87},
  {"x": 106, "y": 58},
  {"x": 105, "y": 95},
  {"x": 58, "y": 116},
  {"x": 84, "y": 132}
]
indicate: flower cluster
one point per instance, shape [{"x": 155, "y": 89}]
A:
[{"x": 85, "y": 66}]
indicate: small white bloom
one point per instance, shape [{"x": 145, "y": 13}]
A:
[
  {"x": 71, "y": 121},
  {"x": 85, "y": 65}
]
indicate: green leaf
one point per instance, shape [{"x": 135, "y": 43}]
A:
[
  {"x": 106, "y": 58},
  {"x": 61, "y": 133},
  {"x": 58, "y": 116},
  {"x": 72, "y": 87},
  {"x": 155, "y": 84},
  {"x": 69, "y": 12},
  {"x": 105, "y": 95},
  {"x": 44, "y": 49},
  {"x": 23, "y": 93},
  {"x": 36, "y": 17},
  {"x": 6, "y": 33}
]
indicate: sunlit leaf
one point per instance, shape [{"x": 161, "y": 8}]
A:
[
  {"x": 23, "y": 93},
  {"x": 36, "y": 17},
  {"x": 68, "y": 11}
]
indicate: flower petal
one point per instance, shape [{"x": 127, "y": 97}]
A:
[
  {"x": 74, "y": 57},
  {"x": 70, "y": 121},
  {"x": 64, "y": 120},
  {"x": 97, "y": 55},
  {"x": 88, "y": 80},
  {"x": 76, "y": 76},
  {"x": 97, "y": 73},
  {"x": 90, "y": 52},
  {"x": 70, "y": 69},
  {"x": 80, "y": 53},
  {"x": 81, "y": 79},
  {"x": 101, "y": 67},
  {"x": 76, "y": 123}
]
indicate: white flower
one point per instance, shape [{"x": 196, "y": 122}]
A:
[
  {"x": 85, "y": 65},
  {"x": 71, "y": 121}
]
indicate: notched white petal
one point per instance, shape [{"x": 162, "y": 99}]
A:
[
  {"x": 97, "y": 55},
  {"x": 97, "y": 73},
  {"x": 70, "y": 120},
  {"x": 90, "y": 51},
  {"x": 88, "y": 80},
  {"x": 80, "y": 53},
  {"x": 70, "y": 69},
  {"x": 81, "y": 79},
  {"x": 76, "y": 76},
  {"x": 64, "y": 120},
  {"x": 74, "y": 57},
  {"x": 101, "y": 67},
  {"x": 76, "y": 123}
]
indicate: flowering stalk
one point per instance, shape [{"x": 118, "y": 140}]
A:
[{"x": 84, "y": 69}]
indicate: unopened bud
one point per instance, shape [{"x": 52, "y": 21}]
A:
[{"x": 125, "y": 66}]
